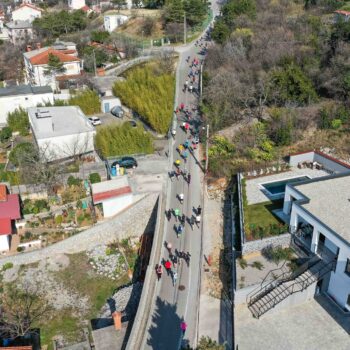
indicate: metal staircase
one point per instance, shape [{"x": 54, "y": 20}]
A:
[{"x": 271, "y": 293}]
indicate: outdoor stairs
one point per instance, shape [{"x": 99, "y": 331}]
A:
[{"x": 267, "y": 297}]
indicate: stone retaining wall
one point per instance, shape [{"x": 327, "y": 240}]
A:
[
  {"x": 131, "y": 222},
  {"x": 256, "y": 246}
]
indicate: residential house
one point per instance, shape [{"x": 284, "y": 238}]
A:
[
  {"x": 319, "y": 215},
  {"x": 9, "y": 213},
  {"x": 19, "y": 31},
  {"x": 36, "y": 64},
  {"x": 23, "y": 96},
  {"x": 341, "y": 15},
  {"x": 61, "y": 132},
  {"x": 76, "y": 4},
  {"x": 3, "y": 30},
  {"x": 26, "y": 12},
  {"x": 114, "y": 195},
  {"x": 113, "y": 21}
]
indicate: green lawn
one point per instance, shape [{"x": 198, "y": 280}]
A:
[{"x": 260, "y": 221}]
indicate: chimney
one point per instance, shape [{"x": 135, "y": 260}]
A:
[
  {"x": 38, "y": 46},
  {"x": 117, "y": 318},
  {"x": 29, "y": 48}
]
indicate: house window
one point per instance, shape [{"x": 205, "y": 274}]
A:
[{"x": 347, "y": 267}]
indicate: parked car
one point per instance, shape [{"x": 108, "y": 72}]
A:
[
  {"x": 117, "y": 111},
  {"x": 95, "y": 121},
  {"x": 126, "y": 162}
]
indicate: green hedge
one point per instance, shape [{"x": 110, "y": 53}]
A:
[
  {"x": 123, "y": 139},
  {"x": 149, "y": 94},
  {"x": 88, "y": 101}
]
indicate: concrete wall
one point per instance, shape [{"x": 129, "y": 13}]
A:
[
  {"x": 129, "y": 223},
  {"x": 4, "y": 243},
  {"x": 256, "y": 246},
  {"x": 313, "y": 156}
]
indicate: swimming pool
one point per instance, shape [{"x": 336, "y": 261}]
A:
[{"x": 278, "y": 187}]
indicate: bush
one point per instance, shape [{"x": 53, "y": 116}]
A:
[
  {"x": 99, "y": 36},
  {"x": 6, "y": 266},
  {"x": 5, "y": 134},
  {"x": 58, "y": 219},
  {"x": 120, "y": 140},
  {"x": 88, "y": 101},
  {"x": 18, "y": 121},
  {"x": 150, "y": 94},
  {"x": 73, "y": 181},
  {"x": 95, "y": 178},
  {"x": 20, "y": 249},
  {"x": 21, "y": 151}
]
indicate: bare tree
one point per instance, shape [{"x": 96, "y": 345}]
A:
[{"x": 21, "y": 310}]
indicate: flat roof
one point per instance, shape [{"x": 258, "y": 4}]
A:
[
  {"x": 49, "y": 122},
  {"x": 110, "y": 189},
  {"x": 24, "y": 90},
  {"x": 329, "y": 202}
]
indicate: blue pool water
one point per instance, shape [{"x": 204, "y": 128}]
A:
[{"x": 280, "y": 186}]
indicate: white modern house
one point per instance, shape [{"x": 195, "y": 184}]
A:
[
  {"x": 319, "y": 215},
  {"x": 26, "y": 12},
  {"x": 113, "y": 21},
  {"x": 19, "y": 31},
  {"x": 36, "y": 65},
  {"x": 23, "y": 96},
  {"x": 114, "y": 195},
  {"x": 61, "y": 132},
  {"x": 76, "y": 4}
]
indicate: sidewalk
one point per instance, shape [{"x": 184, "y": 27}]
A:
[{"x": 214, "y": 313}]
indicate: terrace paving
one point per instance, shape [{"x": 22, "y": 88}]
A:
[
  {"x": 307, "y": 326},
  {"x": 253, "y": 188}
]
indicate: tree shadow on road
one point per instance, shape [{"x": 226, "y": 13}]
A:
[{"x": 165, "y": 332}]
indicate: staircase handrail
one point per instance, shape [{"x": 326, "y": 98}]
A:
[{"x": 298, "y": 286}]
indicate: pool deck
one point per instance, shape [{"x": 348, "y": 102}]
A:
[{"x": 254, "y": 188}]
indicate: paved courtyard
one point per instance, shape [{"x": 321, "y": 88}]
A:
[
  {"x": 254, "y": 188},
  {"x": 307, "y": 326}
]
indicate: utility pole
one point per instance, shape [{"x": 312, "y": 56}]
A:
[
  {"x": 94, "y": 57},
  {"x": 142, "y": 44},
  {"x": 185, "y": 31},
  {"x": 207, "y": 151}
]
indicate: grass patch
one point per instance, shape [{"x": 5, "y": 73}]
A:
[
  {"x": 260, "y": 222},
  {"x": 81, "y": 278},
  {"x": 149, "y": 91}
]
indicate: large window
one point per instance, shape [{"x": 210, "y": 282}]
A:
[{"x": 347, "y": 267}]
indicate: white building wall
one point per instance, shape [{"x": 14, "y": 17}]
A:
[
  {"x": 339, "y": 285},
  {"x": 10, "y": 103},
  {"x": 25, "y": 14},
  {"x": 76, "y": 4},
  {"x": 112, "y": 22},
  {"x": 4, "y": 243},
  {"x": 67, "y": 146},
  {"x": 113, "y": 206}
]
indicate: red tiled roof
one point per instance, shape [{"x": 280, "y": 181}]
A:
[
  {"x": 98, "y": 197},
  {"x": 346, "y": 165},
  {"x": 10, "y": 208},
  {"x": 43, "y": 57},
  {"x": 85, "y": 8},
  {"x": 343, "y": 12},
  {"x": 5, "y": 227},
  {"x": 30, "y": 6},
  {"x": 69, "y": 52},
  {"x": 3, "y": 193}
]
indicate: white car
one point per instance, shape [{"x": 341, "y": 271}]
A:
[{"x": 95, "y": 121}]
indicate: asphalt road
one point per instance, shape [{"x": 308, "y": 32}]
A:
[{"x": 178, "y": 303}]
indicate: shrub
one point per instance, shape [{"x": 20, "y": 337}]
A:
[
  {"x": 150, "y": 94},
  {"x": 73, "y": 181},
  {"x": 79, "y": 204},
  {"x": 6, "y": 266},
  {"x": 21, "y": 151},
  {"x": 95, "y": 178},
  {"x": 18, "y": 121},
  {"x": 88, "y": 101},
  {"x": 124, "y": 139},
  {"x": 80, "y": 218},
  {"x": 20, "y": 249},
  {"x": 257, "y": 265},
  {"x": 242, "y": 263},
  {"x": 27, "y": 235},
  {"x": 5, "y": 134},
  {"x": 58, "y": 219}
]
